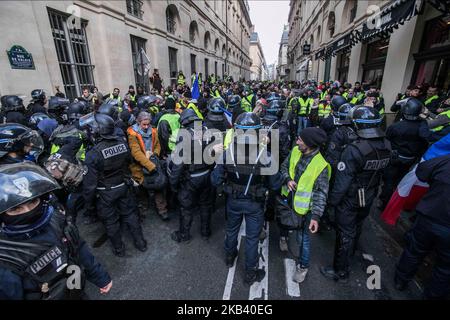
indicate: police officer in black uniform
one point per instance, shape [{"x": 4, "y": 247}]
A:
[
  {"x": 13, "y": 110},
  {"x": 107, "y": 175},
  {"x": 42, "y": 256},
  {"x": 19, "y": 143},
  {"x": 407, "y": 145},
  {"x": 190, "y": 180},
  {"x": 246, "y": 187},
  {"x": 38, "y": 102},
  {"x": 339, "y": 139},
  {"x": 120, "y": 127},
  {"x": 329, "y": 123},
  {"x": 57, "y": 109},
  {"x": 215, "y": 119},
  {"x": 356, "y": 185}
]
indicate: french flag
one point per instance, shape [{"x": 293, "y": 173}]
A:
[{"x": 410, "y": 189}]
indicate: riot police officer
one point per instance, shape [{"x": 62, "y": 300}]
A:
[
  {"x": 120, "y": 127},
  {"x": 245, "y": 186},
  {"x": 38, "y": 102},
  {"x": 329, "y": 123},
  {"x": 190, "y": 180},
  {"x": 215, "y": 119},
  {"x": 19, "y": 143},
  {"x": 13, "y": 110},
  {"x": 57, "y": 109},
  {"x": 407, "y": 145},
  {"x": 107, "y": 176},
  {"x": 39, "y": 249},
  {"x": 356, "y": 185}
]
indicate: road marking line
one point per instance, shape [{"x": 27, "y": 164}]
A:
[
  {"x": 260, "y": 290},
  {"x": 232, "y": 270},
  {"x": 293, "y": 289}
]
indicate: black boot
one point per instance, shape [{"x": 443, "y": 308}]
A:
[
  {"x": 119, "y": 251},
  {"x": 252, "y": 276},
  {"x": 178, "y": 237},
  {"x": 229, "y": 259},
  {"x": 331, "y": 274},
  {"x": 141, "y": 245}
]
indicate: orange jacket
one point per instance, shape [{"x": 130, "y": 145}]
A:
[{"x": 137, "y": 147}]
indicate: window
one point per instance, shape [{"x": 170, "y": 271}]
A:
[
  {"x": 193, "y": 64},
  {"x": 193, "y": 31},
  {"x": 173, "y": 66},
  {"x": 344, "y": 63},
  {"x": 375, "y": 61},
  {"x": 207, "y": 40},
  {"x": 353, "y": 11},
  {"x": 139, "y": 62},
  {"x": 206, "y": 68},
  {"x": 73, "y": 54},
  {"x": 134, "y": 7},
  {"x": 171, "y": 19},
  {"x": 215, "y": 69}
]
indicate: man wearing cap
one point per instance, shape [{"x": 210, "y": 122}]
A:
[{"x": 306, "y": 174}]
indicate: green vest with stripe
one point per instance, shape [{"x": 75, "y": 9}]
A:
[
  {"x": 194, "y": 107},
  {"x": 303, "y": 194},
  {"x": 228, "y": 138},
  {"x": 431, "y": 99},
  {"x": 324, "y": 110},
  {"x": 81, "y": 153},
  {"x": 246, "y": 103},
  {"x": 174, "y": 123}
]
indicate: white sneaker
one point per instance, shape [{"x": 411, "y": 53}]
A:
[
  {"x": 283, "y": 244},
  {"x": 300, "y": 274}
]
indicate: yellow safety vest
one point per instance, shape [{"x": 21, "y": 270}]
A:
[
  {"x": 445, "y": 113},
  {"x": 194, "y": 107},
  {"x": 119, "y": 101},
  {"x": 246, "y": 103},
  {"x": 303, "y": 194},
  {"x": 324, "y": 110},
  {"x": 174, "y": 123},
  {"x": 431, "y": 99},
  {"x": 81, "y": 153},
  {"x": 304, "y": 104},
  {"x": 181, "y": 80},
  {"x": 228, "y": 138}
]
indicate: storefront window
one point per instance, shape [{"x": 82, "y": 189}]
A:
[
  {"x": 436, "y": 33},
  {"x": 344, "y": 63},
  {"x": 375, "y": 61}
]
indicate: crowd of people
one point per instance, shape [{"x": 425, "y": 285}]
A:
[{"x": 111, "y": 159}]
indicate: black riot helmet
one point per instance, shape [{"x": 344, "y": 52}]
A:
[
  {"x": 12, "y": 103},
  {"x": 216, "y": 105},
  {"x": 336, "y": 102},
  {"x": 38, "y": 95},
  {"x": 98, "y": 125},
  {"x": 14, "y": 137},
  {"x": 57, "y": 105},
  {"x": 234, "y": 101},
  {"x": 36, "y": 118},
  {"x": 344, "y": 113},
  {"x": 412, "y": 108},
  {"x": 248, "y": 120},
  {"x": 23, "y": 182},
  {"x": 274, "y": 111},
  {"x": 110, "y": 110},
  {"x": 187, "y": 117},
  {"x": 145, "y": 102},
  {"x": 367, "y": 122},
  {"x": 76, "y": 110}
]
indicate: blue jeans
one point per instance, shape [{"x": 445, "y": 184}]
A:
[
  {"x": 253, "y": 212},
  {"x": 425, "y": 236},
  {"x": 303, "y": 122},
  {"x": 305, "y": 245}
]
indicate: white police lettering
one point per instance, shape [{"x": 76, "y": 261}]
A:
[
  {"x": 341, "y": 166},
  {"x": 114, "y": 151},
  {"x": 46, "y": 259},
  {"x": 22, "y": 186},
  {"x": 376, "y": 164}
]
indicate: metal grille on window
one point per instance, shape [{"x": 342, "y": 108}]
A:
[
  {"x": 73, "y": 55},
  {"x": 140, "y": 62},
  {"x": 171, "y": 23},
  {"x": 134, "y": 7}
]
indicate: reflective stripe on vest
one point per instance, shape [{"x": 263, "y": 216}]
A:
[
  {"x": 174, "y": 123},
  {"x": 246, "y": 103},
  {"x": 324, "y": 110},
  {"x": 181, "y": 80},
  {"x": 303, "y": 194},
  {"x": 80, "y": 155},
  {"x": 194, "y": 107},
  {"x": 431, "y": 99},
  {"x": 445, "y": 113},
  {"x": 305, "y": 105}
]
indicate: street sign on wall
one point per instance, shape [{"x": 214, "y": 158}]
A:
[
  {"x": 306, "y": 49},
  {"x": 19, "y": 58}
]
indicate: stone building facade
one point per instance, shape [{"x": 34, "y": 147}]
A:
[{"x": 258, "y": 69}]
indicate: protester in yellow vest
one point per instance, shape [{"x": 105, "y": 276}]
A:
[
  {"x": 307, "y": 177},
  {"x": 181, "y": 80}
]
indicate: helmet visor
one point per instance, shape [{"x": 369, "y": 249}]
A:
[
  {"x": 33, "y": 140},
  {"x": 88, "y": 122}
]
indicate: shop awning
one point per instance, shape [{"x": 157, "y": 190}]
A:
[
  {"x": 319, "y": 54},
  {"x": 394, "y": 14},
  {"x": 343, "y": 44}
]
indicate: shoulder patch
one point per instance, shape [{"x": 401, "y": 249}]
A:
[{"x": 341, "y": 166}]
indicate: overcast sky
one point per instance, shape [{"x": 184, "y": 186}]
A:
[{"x": 269, "y": 17}]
